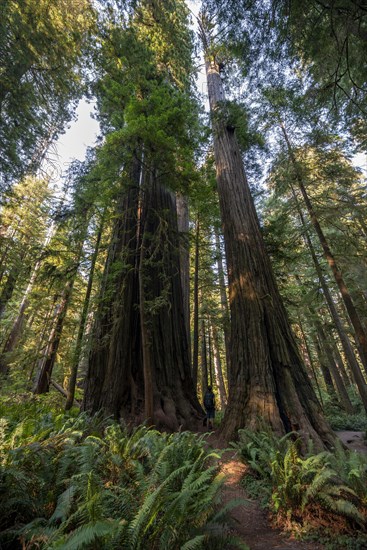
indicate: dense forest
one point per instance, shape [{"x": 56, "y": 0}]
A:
[{"x": 215, "y": 236}]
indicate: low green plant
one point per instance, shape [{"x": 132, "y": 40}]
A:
[
  {"x": 326, "y": 488},
  {"x": 87, "y": 482}
]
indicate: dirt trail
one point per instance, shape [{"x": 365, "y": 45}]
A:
[{"x": 251, "y": 523}]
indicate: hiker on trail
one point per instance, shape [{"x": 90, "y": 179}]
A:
[{"x": 209, "y": 404}]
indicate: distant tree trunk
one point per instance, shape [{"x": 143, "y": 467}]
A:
[
  {"x": 218, "y": 367},
  {"x": 41, "y": 338},
  {"x": 342, "y": 392},
  {"x": 204, "y": 360},
  {"x": 8, "y": 290},
  {"x": 195, "y": 354},
  {"x": 310, "y": 359},
  {"x": 183, "y": 229},
  {"x": 224, "y": 304},
  {"x": 268, "y": 378},
  {"x": 348, "y": 350},
  {"x": 47, "y": 363},
  {"x": 360, "y": 332},
  {"x": 19, "y": 321},
  {"x": 324, "y": 366},
  {"x": 83, "y": 320},
  {"x": 115, "y": 379}
]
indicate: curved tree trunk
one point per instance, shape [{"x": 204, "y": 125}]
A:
[{"x": 269, "y": 380}]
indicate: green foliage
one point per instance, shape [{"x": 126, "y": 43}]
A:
[
  {"x": 81, "y": 482},
  {"x": 41, "y": 47},
  {"x": 339, "y": 419},
  {"x": 329, "y": 488}
]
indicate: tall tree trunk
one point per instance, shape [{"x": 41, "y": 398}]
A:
[
  {"x": 115, "y": 380},
  {"x": 324, "y": 366},
  {"x": 19, "y": 321},
  {"x": 183, "y": 229},
  {"x": 224, "y": 304},
  {"x": 342, "y": 392},
  {"x": 348, "y": 350},
  {"x": 8, "y": 290},
  {"x": 47, "y": 363},
  {"x": 269, "y": 380},
  {"x": 195, "y": 353},
  {"x": 218, "y": 366},
  {"x": 360, "y": 332},
  {"x": 204, "y": 360},
  {"x": 83, "y": 320},
  {"x": 310, "y": 359}
]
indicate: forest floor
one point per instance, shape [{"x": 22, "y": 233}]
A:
[{"x": 251, "y": 523}]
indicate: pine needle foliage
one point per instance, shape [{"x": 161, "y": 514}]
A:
[{"x": 80, "y": 482}]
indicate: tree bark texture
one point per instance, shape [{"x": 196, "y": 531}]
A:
[
  {"x": 115, "y": 379},
  {"x": 269, "y": 382}
]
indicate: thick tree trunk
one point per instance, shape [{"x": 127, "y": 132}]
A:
[
  {"x": 115, "y": 380},
  {"x": 269, "y": 380},
  {"x": 360, "y": 332}
]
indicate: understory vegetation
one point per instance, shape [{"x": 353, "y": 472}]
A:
[
  {"x": 339, "y": 419},
  {"x": 72, "y": 481},
  {"x": 321, "y": 496}
]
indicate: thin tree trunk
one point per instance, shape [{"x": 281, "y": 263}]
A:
[
  {"x": 348, "y": 350},
  {"x": 349, "y": 305},
  {"x": 47, "y": 363},
  {"x": 342, "y": 392},
  {"x": 19, "y": 321},
  {"x": 204, "y": 360},
  {"x": 83, "y": 320},
  {"x": 218, "y": 367},
  {"x": 183, "y": 229},
  {"x": 310, "y": 360},
  {"x": 268, "y": 378},
  {"x": 195, "y": 354},
  {"x": 224, "y": 305}
]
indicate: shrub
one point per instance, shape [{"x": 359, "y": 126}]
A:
[
  {"x": 86, "y": 482},
  {"x": 328, "y": 489}
]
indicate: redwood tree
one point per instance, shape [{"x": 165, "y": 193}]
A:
[
  {"x": 269, "y": 380},
  {"x": 139, "y": 367}
]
